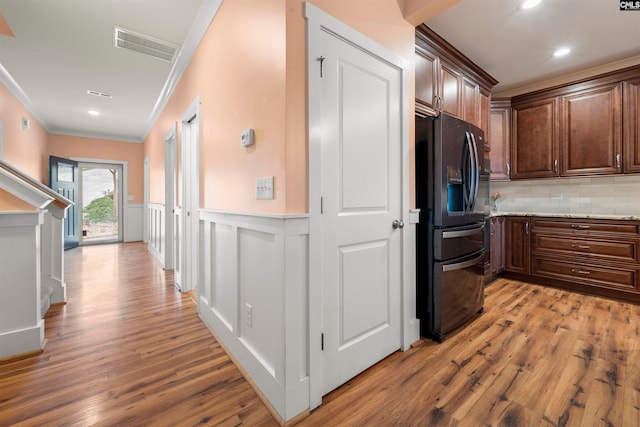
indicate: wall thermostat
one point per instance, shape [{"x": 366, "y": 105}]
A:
[{"x": 246, "y": 138}]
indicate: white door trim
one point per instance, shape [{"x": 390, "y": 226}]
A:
[
  {"x": 190, "y": 171},
  {"x": 1, "y": 139},
  {"x": 124, "y": 193},
  {"x": 169, "y": 194},
  {"x": 318, "y": 22},
  {"x": 145, "y": 206}
]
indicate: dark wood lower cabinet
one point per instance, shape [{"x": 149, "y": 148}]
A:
[
  {"x": 592, "y": 274},
  {"x": 496, "y": 261},
  {"x": 593, "y": 256},
  {"x": 517, "y": 248}
]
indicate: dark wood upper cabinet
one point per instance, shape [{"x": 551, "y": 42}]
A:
[
  {"x": 631, "y": 119},
  {"x": 447, "y": 81},
  {"x": 534, "y": 147},
  {"x": 484, "y": 114},
  {"x": 450, "y": 89},
  {"x": 427, "y": 70},
  {"x": 471, "y": 102},
  {"x": 591, "y": 131},
  {"x": 500, "y": 139},
  {"x": 587, "y": 127}
]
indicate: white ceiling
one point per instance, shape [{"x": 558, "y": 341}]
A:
[
  {"x": 62, "y": 48},
  {"x": 516, "y": 46}
]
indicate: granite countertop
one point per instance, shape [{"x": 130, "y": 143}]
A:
[{"x": 569, "y": 215}]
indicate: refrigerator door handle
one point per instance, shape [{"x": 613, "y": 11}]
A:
[
  {"x": 476, "y": 171},
  {"x": 466, "y": 173},
  {"x": 462, "y": 233},
  {"x": 471, "y": 173},
  {"x": 463, "y": 264}
]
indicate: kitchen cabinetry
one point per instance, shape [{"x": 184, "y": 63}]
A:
[
  {"x": 447, "y": 81},
  {"x": 631, "y": 119},
  {"x": 578, "y": 128},
  {"x": 534, "y": 148},
  {"x": 595, "y": 256},
  {"x": 500, "y": 139},
  {"x": 497, "y": 245},
  {"x": 517, "y": 245},
  {"x": 591, "y": 131}
]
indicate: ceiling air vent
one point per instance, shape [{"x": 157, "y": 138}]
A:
[{"x": 147, "y": 45}]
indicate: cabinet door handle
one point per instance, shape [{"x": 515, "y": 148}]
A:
[
  {"x": 555, "y": 166},
  {"x": 580, "y": 226},
  {"x": 508, "y": 169},
  {"x": 580, "y": 247},
  {"x": 618, "y": 161},
  {"x": 584, "y": 272},
  {"x": 526, "y": 228}
]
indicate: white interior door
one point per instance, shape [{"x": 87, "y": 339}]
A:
[
  {"x": 169, "y": 196},
  {"x": 361, "y": 198},
  {"x": 190, "y": 169}
]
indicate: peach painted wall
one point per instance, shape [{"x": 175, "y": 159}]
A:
[
  {"x": 9, "y": 202},
  {"x": 104, "y": 149},
  {"x": 250, "y": 71},
  {"x": 23, "y": 149},
  {"x": 239, "y": 73}
]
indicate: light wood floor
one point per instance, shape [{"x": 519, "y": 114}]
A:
[{"x": 129, "y": 350}]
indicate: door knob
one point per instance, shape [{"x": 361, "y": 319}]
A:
[{"x": 397, "y": 224}]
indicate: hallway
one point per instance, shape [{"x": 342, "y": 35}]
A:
[{"x": 127, "y": 349}]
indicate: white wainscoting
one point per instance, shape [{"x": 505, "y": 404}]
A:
[
  {"x": 133, "y": 222},
  {"x": 156, "y": 221},
  {"x": 21, "y": 325},
  {"x": 253, "y": 294}
]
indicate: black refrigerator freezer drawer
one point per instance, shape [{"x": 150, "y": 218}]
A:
[
  {"x": 455, "y": 242},
  {"x": 457, "y": 295}
]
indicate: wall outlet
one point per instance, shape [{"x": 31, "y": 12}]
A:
[{"x": 249, "y": 315}]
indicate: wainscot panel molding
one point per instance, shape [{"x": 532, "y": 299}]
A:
[
  {"x": 156, "y": 221},
  {"x": 133, "y": 222},
  {"x": 253, "y": 294},
  {"x": 21, "y": 325}
]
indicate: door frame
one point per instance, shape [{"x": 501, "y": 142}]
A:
[
  {"x": 145, "y": 204},
  {"x": 169, "y": 195},
  {"x": 122, "y": 200},
  {"x": 125, "y": 190},
  {"x": 190, "y": 195},
  {"x": 318, "y": 22}
]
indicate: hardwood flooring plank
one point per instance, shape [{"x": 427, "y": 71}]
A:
[
  {"x": 128, "y": 349},
  {"x": 606, "y": 395}
]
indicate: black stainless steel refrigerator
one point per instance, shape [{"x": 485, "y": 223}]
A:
[{"x": 452, "y": 192}]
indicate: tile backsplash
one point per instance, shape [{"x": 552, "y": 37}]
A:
[{"x": 606, "y": 195}]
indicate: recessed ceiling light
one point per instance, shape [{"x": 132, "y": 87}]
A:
[
  {"x": 93, "y": 113},
  {"x": 561, "y": 51},
  {"x": 529, "y": 4}
]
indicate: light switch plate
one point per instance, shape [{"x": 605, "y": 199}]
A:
[{"x": 264, "y": 188}]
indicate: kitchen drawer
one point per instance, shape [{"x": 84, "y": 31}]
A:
[
  {"x": 603, "y": 248},
  {"x": 621, "y": 278},
  {"x": 587, "y": 226}
]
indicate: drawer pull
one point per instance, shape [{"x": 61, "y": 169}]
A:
[
  {"x": 580, "y": 247},
  {"x": 584, "y": 272},
  {"x": 580, "y": 226}
]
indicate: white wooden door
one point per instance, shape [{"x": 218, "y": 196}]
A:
[
  {"x": 190, "y": 170},
  {"x": 361, "y": 199}
]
